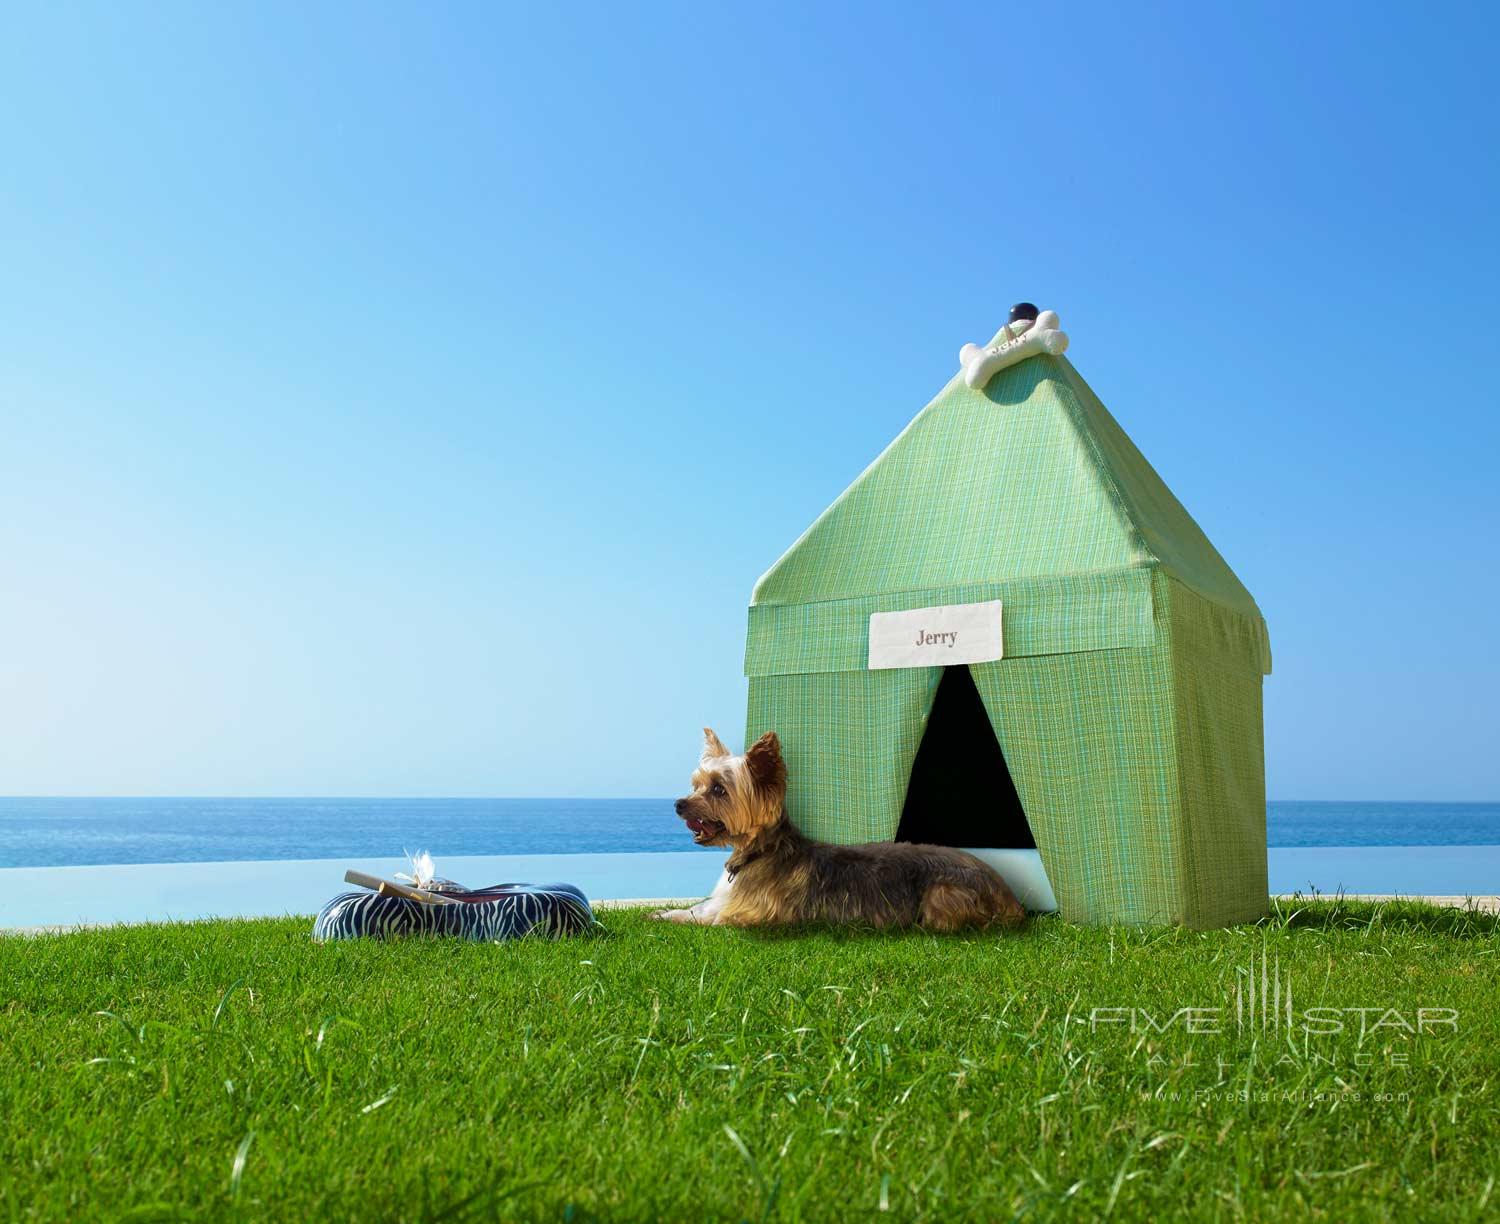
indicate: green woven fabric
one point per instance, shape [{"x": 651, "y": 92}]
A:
[
  {"x": 1221, "y": 778},
  {"x": 1128, "y": 700},
  {"x": 1030, "y": 477}
]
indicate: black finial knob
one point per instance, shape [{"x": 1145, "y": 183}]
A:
[{"x": 1023, "y": 311}]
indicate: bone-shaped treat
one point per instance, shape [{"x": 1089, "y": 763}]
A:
[{"x": 1012, "y": 343}]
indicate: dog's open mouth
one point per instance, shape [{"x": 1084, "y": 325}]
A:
[{"x": 703, "y": 830}]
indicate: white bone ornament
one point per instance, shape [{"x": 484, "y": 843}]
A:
[{"x": 1012, "y": 343}]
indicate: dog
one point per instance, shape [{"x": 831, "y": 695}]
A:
[{"x": 775, "y": 876}]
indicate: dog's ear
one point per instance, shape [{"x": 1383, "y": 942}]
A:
[
  {"x": 713, "y": 746},
  {"x": 763, "y": 759}
]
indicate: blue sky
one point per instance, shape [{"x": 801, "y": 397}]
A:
[{"x": 403, "y": 401}]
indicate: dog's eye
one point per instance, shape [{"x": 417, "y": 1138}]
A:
[{"x": 717, "y": 789}]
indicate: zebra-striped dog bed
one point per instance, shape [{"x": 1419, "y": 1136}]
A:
[{"x": 502, "y": 911}]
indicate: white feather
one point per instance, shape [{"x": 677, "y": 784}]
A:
[{"x": 423, "y": 871}]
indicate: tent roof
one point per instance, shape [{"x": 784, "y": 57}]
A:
[{"x": 1027, "y": 477}]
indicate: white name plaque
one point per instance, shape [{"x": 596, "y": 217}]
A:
[{"x": 935, "y": 637}]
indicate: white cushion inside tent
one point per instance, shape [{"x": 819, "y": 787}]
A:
[{"x": 1023, "y": 871}]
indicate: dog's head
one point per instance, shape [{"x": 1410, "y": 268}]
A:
[{"x": 734, "y": 797}]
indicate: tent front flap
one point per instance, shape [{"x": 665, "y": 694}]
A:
[{"x": 1039, "y": 616}]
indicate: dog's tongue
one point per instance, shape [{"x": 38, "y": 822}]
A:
[{"x": 693, "y": 823}]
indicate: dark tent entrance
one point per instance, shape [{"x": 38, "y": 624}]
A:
[{"x": 960, "y": 792}]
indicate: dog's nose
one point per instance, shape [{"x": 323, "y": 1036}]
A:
[{"x": 679, "y": 805}]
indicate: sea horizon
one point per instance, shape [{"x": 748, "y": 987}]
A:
[{"x": 37, "y": 831}]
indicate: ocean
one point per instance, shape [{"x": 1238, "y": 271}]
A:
[{"x": 81, "y": 832}]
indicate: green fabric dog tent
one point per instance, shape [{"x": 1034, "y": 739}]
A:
[{"x": 1127, "y": 702}]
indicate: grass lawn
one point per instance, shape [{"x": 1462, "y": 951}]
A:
[{"x": 232, "y": 1069}]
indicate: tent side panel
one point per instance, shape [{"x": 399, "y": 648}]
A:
[
  {"x": 1088, "y": 738},
  {"x": 1167, "y": 530},
  {"x": 849, "y": 739},
  {"x": 1220, "y": 759}
]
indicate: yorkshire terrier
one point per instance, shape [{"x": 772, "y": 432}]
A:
[{"x": 776, "y": 876}]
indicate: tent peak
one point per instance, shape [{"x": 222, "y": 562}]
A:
[{"x": 1028, "y": 478}]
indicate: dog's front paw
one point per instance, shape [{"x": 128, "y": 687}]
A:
[{"x": 677, "y": 915}]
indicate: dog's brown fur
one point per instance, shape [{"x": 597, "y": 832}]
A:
[{"x": 779, "y": 876}]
